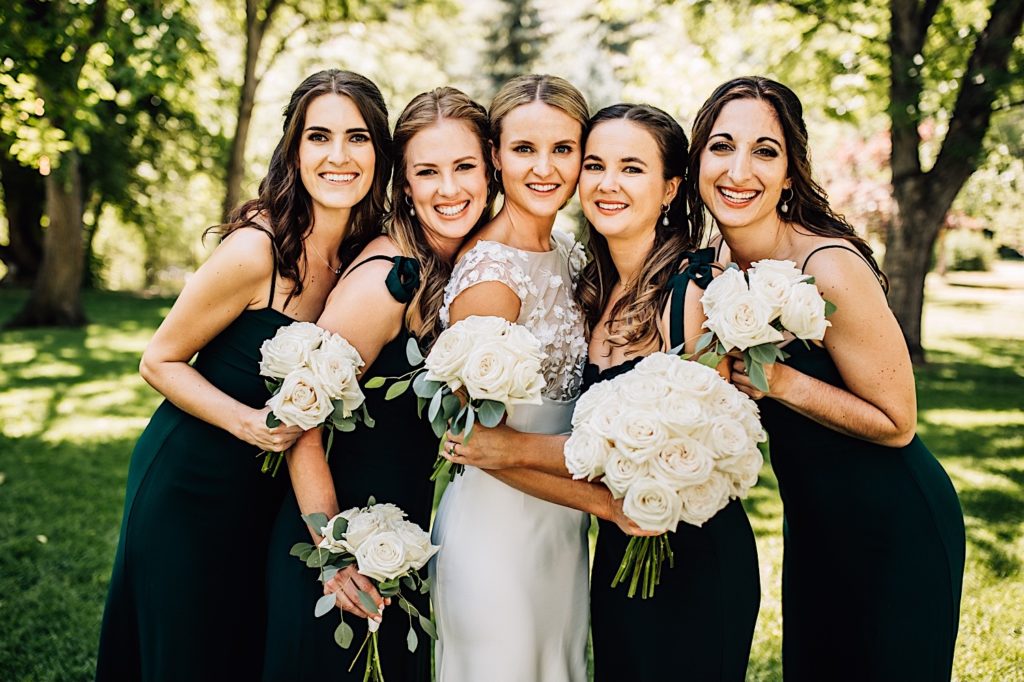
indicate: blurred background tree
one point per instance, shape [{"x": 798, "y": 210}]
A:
[{"x": 913, "y": 107}]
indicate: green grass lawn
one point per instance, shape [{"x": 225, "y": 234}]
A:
[{"x": 72, "y": 404}]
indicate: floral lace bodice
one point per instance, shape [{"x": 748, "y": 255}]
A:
[{"x": 544, "y": 283}]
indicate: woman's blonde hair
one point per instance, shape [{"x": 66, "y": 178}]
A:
[
  {"x": 551, "y": 90},
  {"x": 423, "y": 111}
]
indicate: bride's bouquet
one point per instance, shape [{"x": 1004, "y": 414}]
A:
[
  {"x": 384, "y": 547},
  {"x": 478, "y": 369},
  {"x": 675, "y": 441},
  {"x": 312, "y": 375},
  {"x": 750, "y": 312}
]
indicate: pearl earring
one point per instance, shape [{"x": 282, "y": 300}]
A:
[{"x": 408, "y": 202}]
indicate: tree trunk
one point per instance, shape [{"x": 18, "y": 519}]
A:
[
  {"x": 56, "y": 297},
  {"x": 24, "y": 197},
  {"x": 254, "y": 30}
]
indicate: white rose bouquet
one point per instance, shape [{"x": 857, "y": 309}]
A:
[
  {"x": 493, "y": 364},
  {"x": 386, "y": 548},
  {"x": 312, "y": 375},
  {"x": 675, "y": 441},
  {"x": 750, "y": 312}
]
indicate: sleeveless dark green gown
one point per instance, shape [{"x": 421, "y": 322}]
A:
[
  {"x": 874, "y": 549},
  {"x": 700, "y": 622},
  {"x": 186, "y": 598},
  {"x": 389, "y": 463}
]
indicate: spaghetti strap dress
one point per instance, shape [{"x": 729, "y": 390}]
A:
[
  {"x": 874, "y": 548},
  {"x": 388, "y": 462},
  {"x": 700, "y": 622},
  {"x": 186, "y": 599}
]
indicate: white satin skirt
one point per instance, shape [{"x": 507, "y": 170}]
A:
[{"x": 510, "y": 584}]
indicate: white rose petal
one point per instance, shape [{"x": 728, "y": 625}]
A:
[
  {"x": 702, "y": 501},
  {"x": 586, "y": 452},
  {"x": 382, "y": 556},
  {"x": 640, "y": 435},
  {"x": 743, "y": 321},
  {"x": 488, "y": 373},
  {"x": 652, "y": 505},
  {"x": 724, "y": 287},
  {"x": 727, "y": 437},
  {"x": 360, "y": 527},
  {"x": 289, "y": 349},
  {"x": 804, "y": 313},
  {"x": 773, "y": 280},
  {"x": 301, "y": 400},
  {"x": 683, "y": 462},
  {"x": 620, "y": 472}
]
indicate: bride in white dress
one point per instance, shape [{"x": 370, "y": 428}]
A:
[{"x": 510, "y": 586}]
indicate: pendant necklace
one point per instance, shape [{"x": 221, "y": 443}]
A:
[{"x": 335, "y": 270}]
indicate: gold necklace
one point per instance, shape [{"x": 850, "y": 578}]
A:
[{"x": 335, "y": 270}]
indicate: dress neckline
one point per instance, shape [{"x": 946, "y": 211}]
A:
[{"x": 554, "y": 247}]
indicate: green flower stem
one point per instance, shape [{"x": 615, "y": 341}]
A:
[{"x": 642, "y": 562}]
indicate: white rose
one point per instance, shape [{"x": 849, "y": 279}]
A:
[
  {"x": 522, "y": 342},
  {"x": 639, "y": 436},
  {"x": 727, "y": 437},
  {"x": 704, "y": 500},
  {"x": 724, "y": 287},
  {"x": 329, "y": 543},
  {"x": 683, "y": 413},
  {"x": 773, "y": 280},
  {"x": 418, "y": 549},
  {"x": 683, "y": 462},
  {"x": 387, "y": 514},
  {"x": 652, "y": 505},
  {"x": 289, "y": 349},
  {"x": 527, "y": 383},
  {"x": 641, "y": 390},
  {"x": 488, "y": 373},
  {"x": 301, "y": 401},
  {"x": 804, "y": 313},
  {"x": 620, "y": 472},
  {"x": 743, "y": 321},
  {"x": 335, "y": 365},
  {"x": 447, "y": 356},
  {"x": 694, "y": 379},
  {"x": 585, "y": 453},
  {"x": 584, "y": 408},
  {"x": 726, "y": 399},
  {"x": 382, "y": 556},
  {"x": 604, "y": 416},
  {"x": 656, "y": 364},
  {"x": 744, "y": 467},
  {"x": 361, "y": 526},
  {"x": 485, "y": 327}
]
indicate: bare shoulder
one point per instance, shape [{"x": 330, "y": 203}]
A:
[
  {"x": 248, "y": 250},
  {"x": 837, "y": 265},
  {"x": 364, "y": 286}
]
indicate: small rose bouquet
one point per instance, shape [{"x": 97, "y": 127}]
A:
[
  {"x": 675, "y": 441},
  {"x": 750, "y": 312},
  {"x": 492, "y": 363},
  {"x": 312, "y": 375},
  {"x": 386, "y": 548}
]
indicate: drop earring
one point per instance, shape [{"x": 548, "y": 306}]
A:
[
  {"x": 784, "y": 207},
  {"x": 664, "y": 215},
  {"x": 412, "y": 210}
]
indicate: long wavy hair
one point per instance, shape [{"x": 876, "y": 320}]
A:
[
  {"x": 552, "y": 90},
  {"x": 636, "y": 314},
  {"x": 283, "y": 200},
  {"x": 808, "y": 207},
  {"x": 425, "y": 110}
]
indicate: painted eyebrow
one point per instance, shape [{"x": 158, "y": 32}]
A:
[{"x": 758, "y": 141}]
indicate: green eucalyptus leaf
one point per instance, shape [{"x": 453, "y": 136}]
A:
[
  {"x": 370, "y": 501},
  {"x": 425, "y": 586},
  {"x": 470, "y": 420},
  {"x": 316, "y": 521},
  {"x": 272, "y": 420},
  {"x": 809, "y": 279},
  {"x": 424, "y": 387},
  {"x": 388, "y": 591},
  {"x": 346, "y": 426},
  {"x": 374, "y": 382},
  {"x": 367, "y": 603},
  {"x": 411, "y": 640},
  {"x": 420, "y": 404},
  {"x": 339, "y": 528},
  {"x": 409, "y": 582},
  {"x": 412, "y": 352},
  {"x": 343, "y": 635},
  {"x": 763, "y": 353},
  {"x": 330, "y": 442},
  {"x": 272, "y": 386},
  {"x": 490, "y": 412},
  {"x": 328, "y": 572},
  {"x": 435, "y": 406},
  {"x": 324, "y": 605},
  {"x": 439, "y": 426},
  {"x": 710, "y": 360},
  {"x": 396, "y": 389},
  {"x": 704, "y": 341},
  {"x": 450, "y": 406},
  {"x": 299, "y": 547},
  {"x": 756, "y": 373},
  {"x": 830, "y": 308},
  {"x": 318, "y": 558},
  {"x": 367, "y": 419},
  {"x": 407, "y": 606},
  {"x": 428, "y": 627}
]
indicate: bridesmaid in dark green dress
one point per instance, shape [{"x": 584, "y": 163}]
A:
[
  {"x": 184, "y": 602},
  {"x": 440, "y": 193},
  {"x": 700, "y": 622},
  {"x": 874, "y": 533}
]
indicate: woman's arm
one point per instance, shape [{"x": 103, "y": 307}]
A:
[
  {"x": 865, "y": 342},
  {"x": 361, "y": 310},
  {"x": 236, "y": 277},
  {"x": 502, "y": 447}
]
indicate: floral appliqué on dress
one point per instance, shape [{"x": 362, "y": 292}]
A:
[{"x": 544, "y": 283}]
